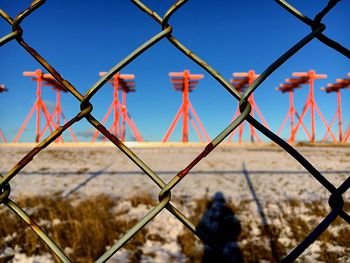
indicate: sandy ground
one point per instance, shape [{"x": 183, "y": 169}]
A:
[{"x": 257, "y": 174}]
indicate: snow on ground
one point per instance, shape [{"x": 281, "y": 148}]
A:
[
  {"x": 273, "y": 173},
  {"x": 263, "y": 176}
]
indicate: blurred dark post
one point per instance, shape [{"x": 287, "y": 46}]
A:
[{"x": 221, "y": 225}]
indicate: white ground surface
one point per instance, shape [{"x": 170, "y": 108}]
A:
[
  {"x": 266, "y": 173},
  {"x": 274, "y": 174}
]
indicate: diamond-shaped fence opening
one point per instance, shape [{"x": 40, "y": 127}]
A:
[{"x": 336, "y": 201}]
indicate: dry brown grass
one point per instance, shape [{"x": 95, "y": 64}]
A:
[
  {"x": 84, "y": 229},
  {"x": 188, "y": 246},
  {"x": 144, "y": 198},
  {"x": 187, "y": 240}
]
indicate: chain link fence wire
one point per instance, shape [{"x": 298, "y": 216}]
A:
[{"x": 335, "y": 201}]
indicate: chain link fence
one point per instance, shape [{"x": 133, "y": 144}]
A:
[{"x": 336, "y": 201}]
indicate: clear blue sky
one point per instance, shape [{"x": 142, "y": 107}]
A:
[{"x": 81, "y": 38}]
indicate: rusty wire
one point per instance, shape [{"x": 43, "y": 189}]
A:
[{"x": 336, "y": 201}]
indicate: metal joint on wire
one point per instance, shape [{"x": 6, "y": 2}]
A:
[
  {"x": 19, "y": 19},
  {"x": 164, "y": 193},
  {"x": 243, "y": 104},
  {"x": 336, "y": 200},
  {"x": 86, "y": 106},
  {"x": 5, "y": 191},
  {"x": 323, "y": 38}
]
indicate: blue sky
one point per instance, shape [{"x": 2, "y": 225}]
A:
[{"x": 82, "y": 38}]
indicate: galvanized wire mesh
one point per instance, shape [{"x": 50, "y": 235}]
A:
[{"x": 336, "y": 201}]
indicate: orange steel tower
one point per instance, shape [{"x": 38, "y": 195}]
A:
[
  {"x": 186, "y": 82},
  {"x": 309, "y": 77},
  {"x": 347, "y": 131},
  {"x": 240, "y": 82},
  {"x": 289, "y": 86},
  {"x": 125, "y": 83},
  {"x": 2, "y": 136},
  {"x": 336, "y": 87},
  {"x": 49, "y": 80},
  {"x": 39, "y": 106},
  {"x": 346, "y": 134}
]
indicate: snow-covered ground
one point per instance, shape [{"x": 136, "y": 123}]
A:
[
  {"x": 274, "y": 174},
  {"x": 264, "y": 178}
]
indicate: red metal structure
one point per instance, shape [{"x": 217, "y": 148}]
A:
[
  {"x": 49, "y": 80},
  {"x": 125, "y": 83},
  {"x": 336, "y": 87},
  {"x": 347, "y": 131},
  {"x": 39, "y": 106},
  {"x": 186, "y": 82},
  {"x": 347, "y": 134},
  {"x": 289, "y": 86},
  {"x": 240, "y": 82},
  {"x": 2, "y": 136},
  {"x": 309, "y": 77}
]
